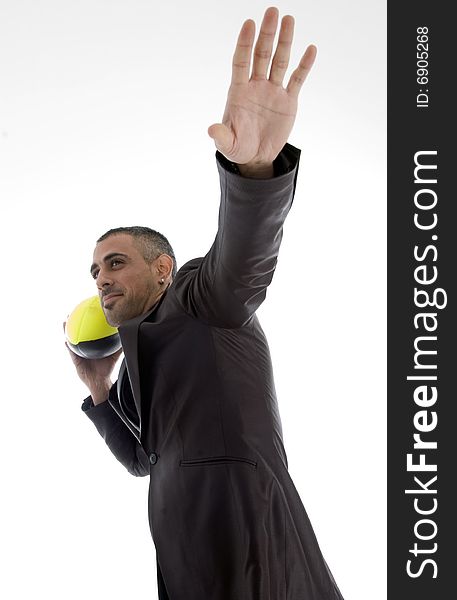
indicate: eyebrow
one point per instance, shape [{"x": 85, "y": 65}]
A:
[{"x": 106, "y": 259}]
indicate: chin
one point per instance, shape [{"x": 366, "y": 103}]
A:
[
  {"x": 112, "y": 320},
  {"x": 117, "y": 320},
  {"x": 118, "y": 317}
]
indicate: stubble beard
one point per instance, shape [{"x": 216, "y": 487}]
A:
[
  {"x": 122, "y": 311},
  {"x": 111, "y": 318},
  {"x": 129, "y": 308},
  {"x": 116, "y": 315}
]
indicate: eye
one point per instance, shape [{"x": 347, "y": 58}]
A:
[
  {"x": 95, "y": 274},
  {"x": 115, "y": 262}
]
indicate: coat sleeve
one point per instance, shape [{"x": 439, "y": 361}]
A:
[
  {"x": 226, "y": 287},
  {"x": 118, "y": 437}
]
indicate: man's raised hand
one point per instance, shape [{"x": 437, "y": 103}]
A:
[{"x": 260, "y": 112}]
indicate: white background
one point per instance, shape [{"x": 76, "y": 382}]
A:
[{"x": 104, "y": 111}]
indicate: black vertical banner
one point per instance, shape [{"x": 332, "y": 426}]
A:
[{"x": 422, "y": 330}]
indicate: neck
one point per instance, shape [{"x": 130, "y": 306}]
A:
[{"x": 157, "y": 298}]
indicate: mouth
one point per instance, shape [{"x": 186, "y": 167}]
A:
[{"x": 109, "y": 299}]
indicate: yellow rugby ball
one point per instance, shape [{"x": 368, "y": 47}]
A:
[{"x": 88, "y": 333}]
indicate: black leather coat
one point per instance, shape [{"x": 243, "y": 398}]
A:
[{"x": 226, "y": 519}]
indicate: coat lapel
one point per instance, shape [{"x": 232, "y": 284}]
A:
[{"x": 128, "y": 332}]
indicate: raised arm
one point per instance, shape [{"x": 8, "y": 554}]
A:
[{"x": 229, "y": 284}]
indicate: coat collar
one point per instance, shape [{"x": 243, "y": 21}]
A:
[{"x": 128, "y": 333}]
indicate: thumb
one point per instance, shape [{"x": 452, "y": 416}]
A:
[{"x": 223, "y": 138}]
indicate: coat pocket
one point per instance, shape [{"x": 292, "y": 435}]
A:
[{"x": 217, "y": 460}]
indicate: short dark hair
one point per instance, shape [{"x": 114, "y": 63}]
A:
[{"x": 151, "y": 243}]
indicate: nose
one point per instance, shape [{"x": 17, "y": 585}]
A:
[{"x": 103, "y": 279}]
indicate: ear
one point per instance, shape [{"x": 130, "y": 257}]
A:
[{"x": 163, "y": 267}]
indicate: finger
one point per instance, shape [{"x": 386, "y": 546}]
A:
[
  {"x": 241, "y": 62},
  {"x": 223, "y": 138},
  {"x": 264, "y": 45},
  {"x": 282, "y": 54},
  {"x": 297, "y": 79}
]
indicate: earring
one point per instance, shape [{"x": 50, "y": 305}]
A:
[{"x": 162, "y": 281}]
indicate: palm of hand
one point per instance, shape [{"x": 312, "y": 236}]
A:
[
  {"x": 260, "y": 116},
  {"x": 260, "y": 112}
]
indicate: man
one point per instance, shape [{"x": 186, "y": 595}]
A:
[{"x": 194, "y": 406}]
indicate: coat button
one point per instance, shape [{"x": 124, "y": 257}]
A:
[{"x": 153, "y": 458}]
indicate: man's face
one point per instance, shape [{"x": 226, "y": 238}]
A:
[{"x": 127, "y": 285}]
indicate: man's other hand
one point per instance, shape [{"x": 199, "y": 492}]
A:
[{"x": 260, "y": 112}]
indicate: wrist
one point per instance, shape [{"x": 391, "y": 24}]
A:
[
  {"x": 259, "y": 170},
  {"x": 100, "y": 391}
]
